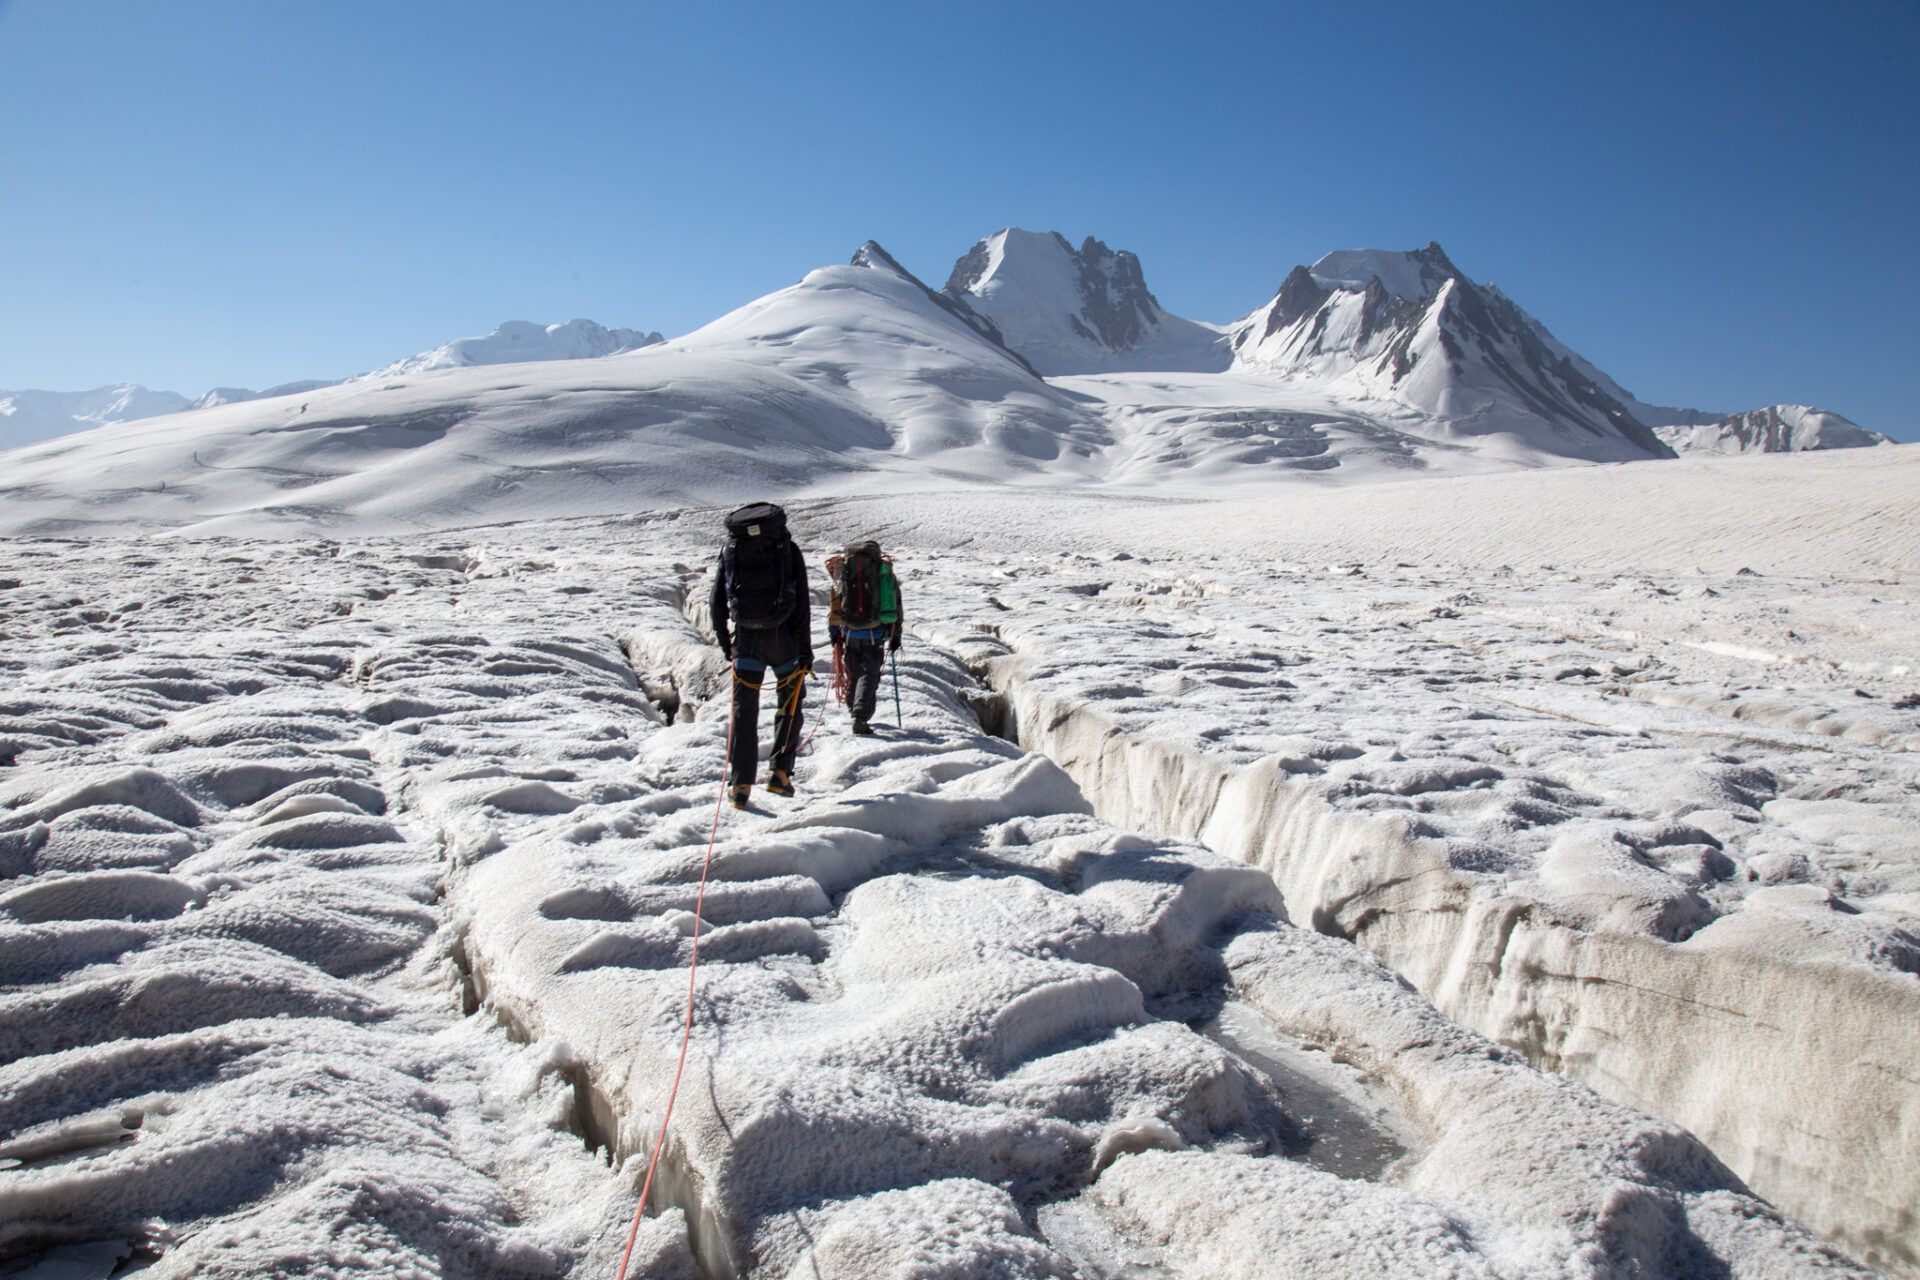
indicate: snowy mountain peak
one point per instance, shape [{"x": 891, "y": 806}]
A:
[
  {"x": 518, "y": 341},
  {"x": 1411, "y": 276},
  {"x": 871, "y": 255},
  {"x": 1079, "y": 310},
  {"x": 1106, "y": 295},
  {"x": 1778, "y": 428},
  {"x": 1013, "y": 252},
  {"x": 1410, "y": 327}
]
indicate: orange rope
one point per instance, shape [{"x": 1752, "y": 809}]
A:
[{"x": 686, "y": 1033}]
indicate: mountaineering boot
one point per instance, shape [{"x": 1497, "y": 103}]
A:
[
  {"x": 780, "y": 783},
  {"x": 862, "y": 729},
  {"x": 737, "y": 794}
]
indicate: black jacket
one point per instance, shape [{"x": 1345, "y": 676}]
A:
[{"x": 776, "y": 646}]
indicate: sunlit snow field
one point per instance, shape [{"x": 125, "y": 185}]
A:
[{"x": 1254, "y": 888}]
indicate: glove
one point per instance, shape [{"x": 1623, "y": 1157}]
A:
[
  {"x": 893, "y": 641},
  {"x": 726, "y": 647},
  {"x": 806, "y": 661},
  {"x": 834, "y": 636}
]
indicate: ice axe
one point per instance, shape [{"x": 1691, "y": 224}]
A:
[{"x": 893, "y": 664}]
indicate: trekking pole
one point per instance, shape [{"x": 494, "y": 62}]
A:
[{"x": 893, "y": 661}]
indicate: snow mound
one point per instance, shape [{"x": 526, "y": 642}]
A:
[
  {"x": 854, "y": 371},
  {"x": 29, "y": 416}
]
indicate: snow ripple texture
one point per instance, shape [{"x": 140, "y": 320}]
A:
[
  {"x": 273, "y": 815},
  {"x": 1680, "y": 869}
]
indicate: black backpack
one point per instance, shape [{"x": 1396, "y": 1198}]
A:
[
  {"x": 859, "y": 586},
  {"x": 758, "y": 568}
]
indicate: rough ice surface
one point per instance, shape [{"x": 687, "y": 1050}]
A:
[
  {"x": 1561, "y": 803},
  {"x": 349, "y": 893}
]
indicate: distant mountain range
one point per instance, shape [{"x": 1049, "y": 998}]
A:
[
  {"x": 26, "y": 416},
  {"x": 1409, "y": 327},
  {"x": 1037, "y": 364},
  {"x": 1778, "y": 428},
  {"x": 518, "y": 341}
]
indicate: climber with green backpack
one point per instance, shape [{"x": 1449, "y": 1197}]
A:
[{"x": 864, "y": 621}]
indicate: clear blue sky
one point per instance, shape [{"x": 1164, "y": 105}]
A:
[{"x": 1716, "y": 202}]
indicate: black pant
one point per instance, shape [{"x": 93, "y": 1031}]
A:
[
  {"x": 866, "y": 661},
  {"x": 788, "y": 716}
]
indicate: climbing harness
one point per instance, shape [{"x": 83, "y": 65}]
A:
[{"x": 787, "y": 708}]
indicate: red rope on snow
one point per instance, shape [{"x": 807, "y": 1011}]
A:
[
  {"x": 822, "y": 717},
  {"x": 686, "y": 1033},
  {"x": 840, "y": 690}
]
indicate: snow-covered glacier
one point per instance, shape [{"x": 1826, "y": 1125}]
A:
[
  {"x": 1333, "y": 828},
  {"x": 349, "y": 905}
]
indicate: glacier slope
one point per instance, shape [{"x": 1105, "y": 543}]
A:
[
  {"x": 853, "y": 372},
  {"x": 262, "y": 751}
]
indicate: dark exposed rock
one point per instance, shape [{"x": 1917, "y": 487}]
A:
[
  {"x": 1114, "y": 295},
  {"x": 1300, "y": 294}
]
